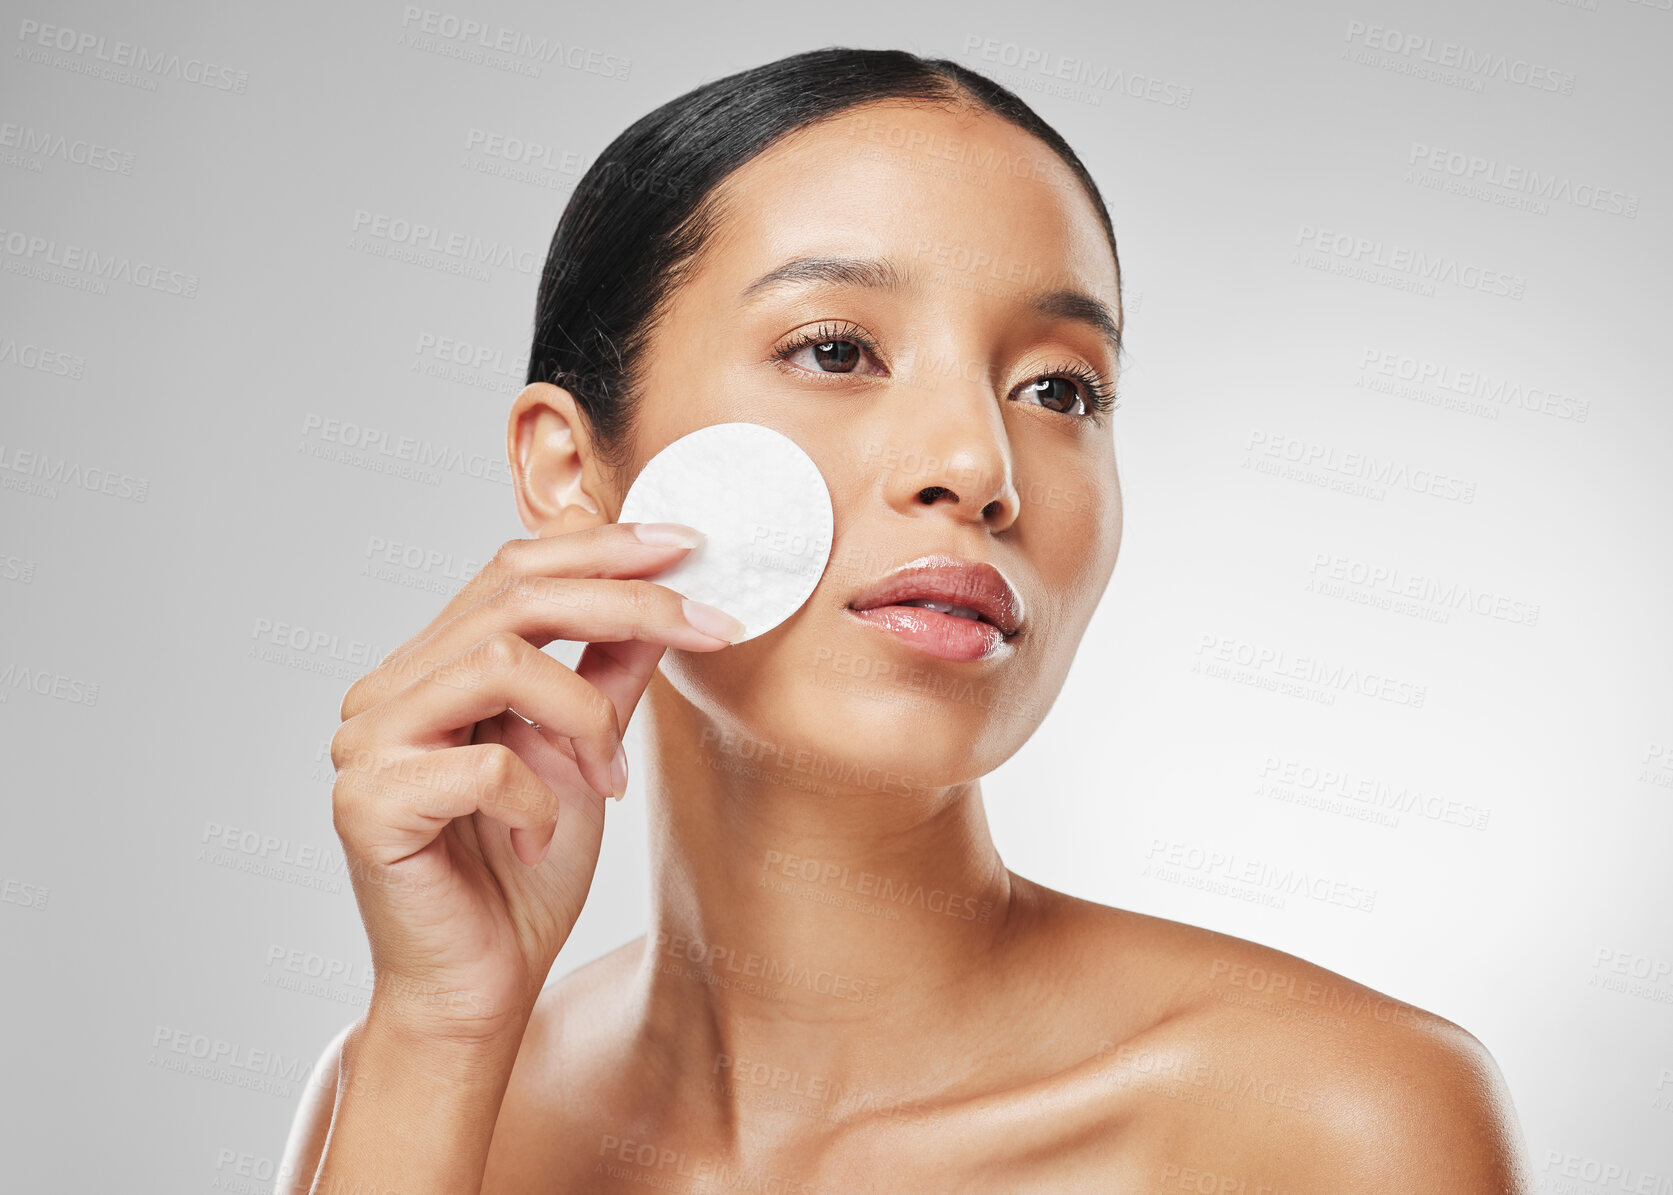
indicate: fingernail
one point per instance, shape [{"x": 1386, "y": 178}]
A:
[
  {"x": 667, "y": 535},
  {"x": 618, "y": 773},
  {"x": 712, "y": 621}
]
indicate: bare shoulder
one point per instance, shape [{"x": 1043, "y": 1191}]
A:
[
  {"x": 571, "y": 1019},
  {"x": 1257, "y": 1066},
  {"x": 557, "y": 1083}
]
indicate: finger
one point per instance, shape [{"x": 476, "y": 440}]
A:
[
  {"x": 612, "y": 550},
  {"x": 395, "y": 809},
  {"x": 501, "y": 672},
  {"x": 607, "y": 550},
  {"x": 621, "y": 671},
  {"x": 580, "y": 819},
  {"x": 543, "y": 609}
]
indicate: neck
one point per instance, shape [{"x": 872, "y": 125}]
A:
[{"x": 782, "y": 903}]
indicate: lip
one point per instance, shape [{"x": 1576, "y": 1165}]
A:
[{"x": 977, "y": 586}]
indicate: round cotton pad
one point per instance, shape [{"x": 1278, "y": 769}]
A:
[{"x": 763, "y": 509}]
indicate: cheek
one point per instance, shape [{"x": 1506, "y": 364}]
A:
[
  {"x": 746, "y": 683},
  {"x": 1074, "y": 542}
]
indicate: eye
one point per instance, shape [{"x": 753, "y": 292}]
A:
[
  {"x": 829, "y": 348},
  {"x": 1071, "y": 384}
]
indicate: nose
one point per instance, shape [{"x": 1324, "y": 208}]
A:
[{"x": 955, "y": 454}]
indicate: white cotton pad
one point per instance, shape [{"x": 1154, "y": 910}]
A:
[{"x": 763, "y": 509}]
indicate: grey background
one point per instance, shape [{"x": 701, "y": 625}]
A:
[{"x": 169, "y": 871}]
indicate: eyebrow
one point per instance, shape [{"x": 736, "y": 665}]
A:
[
  {"x": 880, "y": 274},
  {"x": 874, "y": 274}
]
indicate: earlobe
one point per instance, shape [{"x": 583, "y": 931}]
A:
[{"x": 551, "y": 463}]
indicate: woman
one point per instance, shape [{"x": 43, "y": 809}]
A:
[{"x": 894, "y": 262}]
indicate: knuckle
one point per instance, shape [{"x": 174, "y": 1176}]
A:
[
  {"x": 600, "y": 713},
  {"x": 354, "y": 699},
  {"x": 511, "y": 590},
  {"x": 343, "y": 807},
  {"x": 646, "y": 597},
  {"x": 509, "y": 785},
  {"x": 496, "y": 766},
  {"x": 342, "y": 747},
  {"x": 507, "y": 562},
  {"x": 501, "y": 652}
]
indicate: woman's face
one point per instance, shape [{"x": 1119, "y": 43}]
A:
[{"x": 941, "y": 402}]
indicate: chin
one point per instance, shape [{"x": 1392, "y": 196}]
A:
[
  {"x": 824, "y": 690},
  {"x": 828, "y": 725}
]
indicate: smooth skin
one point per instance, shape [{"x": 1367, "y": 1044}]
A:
[{"x": 843, "y": 987}]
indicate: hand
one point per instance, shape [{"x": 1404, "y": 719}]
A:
[{"x": 472, "y": 769}]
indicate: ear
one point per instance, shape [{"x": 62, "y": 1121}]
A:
[{"x": 553, "y": 473}]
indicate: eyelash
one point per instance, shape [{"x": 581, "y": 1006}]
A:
[{"x": 1098, "y": 395}]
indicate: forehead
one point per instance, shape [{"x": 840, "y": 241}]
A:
[{"x": 945, "y": 193}]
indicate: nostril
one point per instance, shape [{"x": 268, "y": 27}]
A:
[{"x": 932, "y": 493}]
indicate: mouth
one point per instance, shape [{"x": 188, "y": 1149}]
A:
[{"x": 951, "y": 608}]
